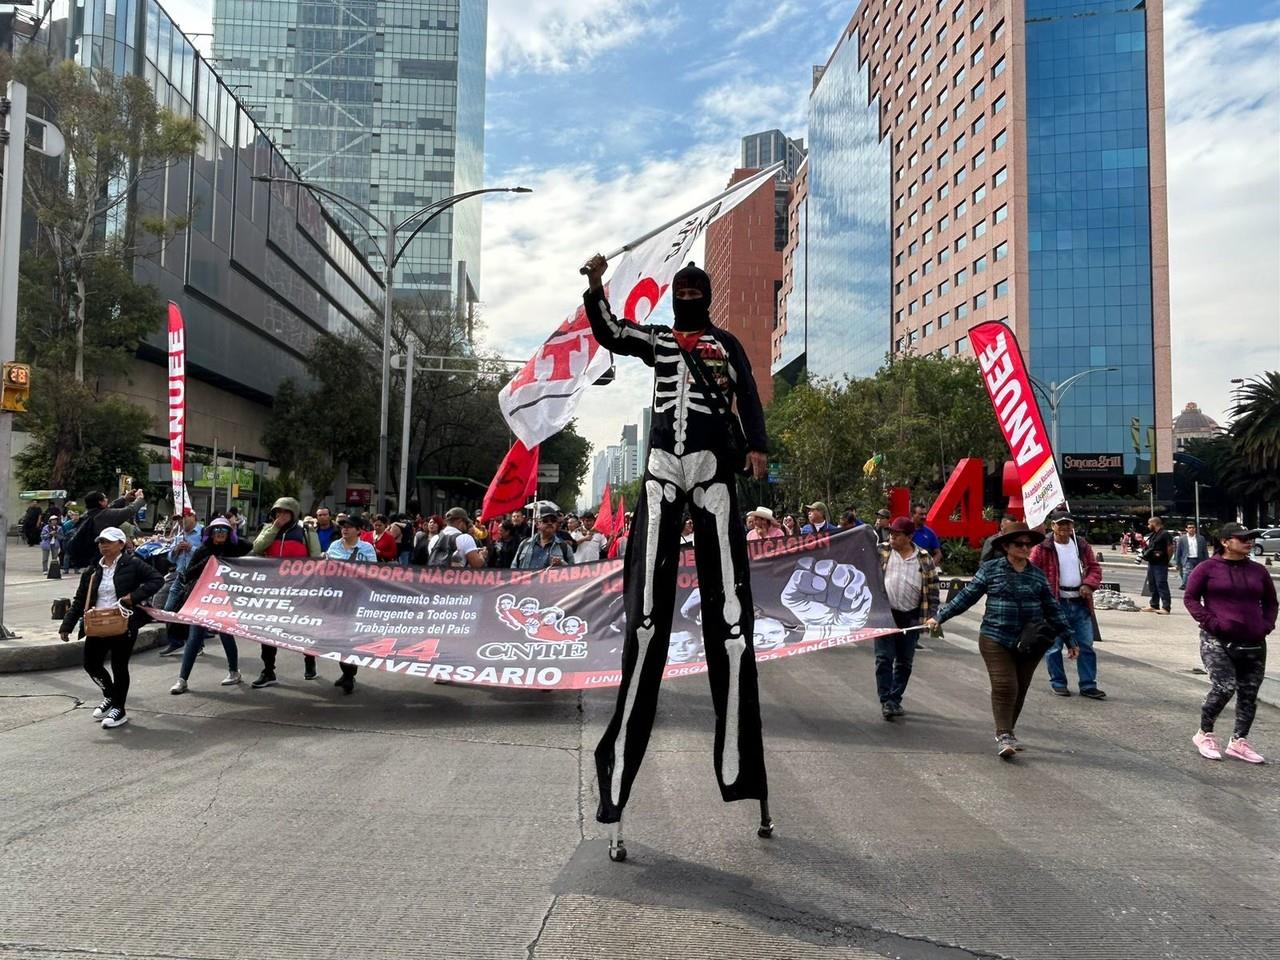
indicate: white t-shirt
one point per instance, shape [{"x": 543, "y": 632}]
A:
[
  {"x": 465, "y": 545},
  {"x": 1193, "y": 547},
  {"x": 1070, "y": 575},
  {"x": 590, "y": 549}
]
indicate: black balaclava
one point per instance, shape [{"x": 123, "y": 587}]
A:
[{"x": 691, "y": 314}]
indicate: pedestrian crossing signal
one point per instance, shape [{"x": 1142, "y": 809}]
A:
[{"x": 17, "y": 387}]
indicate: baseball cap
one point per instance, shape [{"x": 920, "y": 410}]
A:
[
  {"x": 820, "y": 506},
  {"x": 883, "y": 514},
  {"x": 1229, "y": 530},
  {"x": 903, "y": 525},
  {"x": 1061, "y": 516},
  {"x": 113, "y": 534},
  {"x": 456, "y": 513}
]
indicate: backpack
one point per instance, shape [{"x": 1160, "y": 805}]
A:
[
  {"x": 442, "y": 553},
  {"x": 81, "y": 549},
  {"x": 526, "y": 546}
]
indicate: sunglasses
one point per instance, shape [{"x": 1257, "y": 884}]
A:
[{"x": 1021, "y": 543}]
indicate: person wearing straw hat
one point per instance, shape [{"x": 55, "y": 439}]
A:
[
  {"x": 120, "y": 581},
  {"x": 1017, "y": 594},
  {"x": 763, "y": 525}
]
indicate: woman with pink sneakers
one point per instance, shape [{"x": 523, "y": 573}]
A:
[{"x": 1234, "y": 601}]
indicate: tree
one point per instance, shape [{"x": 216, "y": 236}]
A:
[
  {"x": 86, "y": 203},
  {"x": 921, "y": 413},
  {"x": 1256, "y": 428},
  {"x": 572, "y": 452}
]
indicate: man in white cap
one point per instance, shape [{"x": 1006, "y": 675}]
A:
[
  {"x": 763, "y": 525},
  {"x": 118, "y": 581}
]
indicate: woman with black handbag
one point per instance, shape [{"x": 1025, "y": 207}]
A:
[
  {"x": 1019, "y": 625},
  {"x": 109, "y": 592}
]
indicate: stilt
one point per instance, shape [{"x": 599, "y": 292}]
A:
[
  {"x": 617, "y": 846},
  {"x": 766, "y": 821}
]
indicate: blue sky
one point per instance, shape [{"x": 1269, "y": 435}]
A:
[{"x": 624, "y": 113}]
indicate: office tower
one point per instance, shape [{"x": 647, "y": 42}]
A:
[
  {"x": 974, "y": 160},
  {"x": 382, "y": 102}
]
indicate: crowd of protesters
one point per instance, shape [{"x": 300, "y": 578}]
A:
[{"x": 1038, "y": 585}]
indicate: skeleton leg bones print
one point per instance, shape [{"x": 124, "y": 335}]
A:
[{"x": 671, "y": 483}]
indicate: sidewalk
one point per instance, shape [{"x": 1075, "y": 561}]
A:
[
  {"x": 1169, "y": 643},
  {"x": 27, "y": 600}
]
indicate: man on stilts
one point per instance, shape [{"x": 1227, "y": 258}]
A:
[{"x": 697, "y": 447}]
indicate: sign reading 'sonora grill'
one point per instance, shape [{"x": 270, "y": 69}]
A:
[{"x": 1092, "y": 463}]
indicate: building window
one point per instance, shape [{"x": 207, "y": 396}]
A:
[
  {"x": 944, "y": 255},
  {"x": 944, "y": 222},
  {"x": 1002, "y": 288},
  {"x": 961, "y": 175},
  {"x": 961, "y": 209},
  {"x": 978, "y": 89},
  {"x": 979, "y": 229},
  {"x": 897, "y": 345},
  {"x": 928, "y": 235},
  {"x": 944, "y": 287},
  {"x": 943, "y": 191},
  {"x": 976, "y": 22},
  {"x": 979, "y": 159},
  {"x": 962, "y": 311},
  {"x": 998, "y": 68},
  {"x": 1001, "y": 251},
  {"x": 998, "y": 31},
  {"x": 1000, "y": 139},
  {"x": 976, "y": 57},
  {"x": 914, "y": 248},
  {"x": 897, "y": 259},
  {"x": 912, "y": 277},
  {"x": 962, "y": 275},
  {"x": 927, "y": 205},
  {"x": 958, "y": 112},
  {"x": 914, "y": 218},
  {"x": 926, "y": 268},
  {"x": 914, "y": 188},
  {"x": 898, "y": 203},
  {"x": 958, "y": 143},
  {"x": 980, "y": 194},
  {"x": 978, "y": 124},
  {"x": 927, "y": 175},
  {"x": 962, "y": 346},
  {"x": 897, "y": 231},
  {"x": 980, "y": 300},
  {"x": 1002, "y": 213},
  {"x": 980, "y": 265},
  {"x": 928, "y": 297},
  {"x": 1001, "y": 176},
  {"x": 962, "y": 241},
  {"x": 999, "y": 103},
  {"x": 897, "y": 288},
  {"x": 897, "y": 318},
  {"x": 912, "y": 307},
  {"x": 927, "y": 329}
]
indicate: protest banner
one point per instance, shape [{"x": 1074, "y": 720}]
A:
[{"x": 559, "y": 628}]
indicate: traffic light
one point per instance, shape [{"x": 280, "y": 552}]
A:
[{"x": 17, "y": 387}]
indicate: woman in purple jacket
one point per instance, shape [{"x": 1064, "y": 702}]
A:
[{"x": 1234, "y": 601}]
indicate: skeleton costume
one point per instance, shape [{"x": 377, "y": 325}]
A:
[{"x": 689, "y": 465}]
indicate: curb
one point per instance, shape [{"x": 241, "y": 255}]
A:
[{"x": 17, "y": 657}]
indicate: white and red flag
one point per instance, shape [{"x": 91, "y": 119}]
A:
[
  {"x": 178, "y": 408},
  {"x": 543, "y": 397},
  {"x": 1005, "y": 376}
]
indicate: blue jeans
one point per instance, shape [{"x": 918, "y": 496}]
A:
[
  {"x": 173, "y": 631},
  {"x": 1188, "y": 565},
  {"x": 894, "y": 655},
  {"x": 1077, "y": 614},
  {"x": 1159, "y": 574},
  {"x": 195, "y": 640}
]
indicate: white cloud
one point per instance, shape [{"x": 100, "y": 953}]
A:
[
  {"x": 553, "y": 36},
  {"x": 1223, "y": 128},
  {"x": 736, "y": 109},
  {"x": 192, "y": 16}
]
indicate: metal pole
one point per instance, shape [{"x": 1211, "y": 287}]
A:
[
  {"x": 213, "y": 482},
  {"x": 385, "y": 410},
  {"x": 1053, "y": 419},
  {"x": 231, "y": 477},
  {"x": 1197, "y": 506},
  {"x": 404, "y": 428},
  {"x": 10, "y": 244}
]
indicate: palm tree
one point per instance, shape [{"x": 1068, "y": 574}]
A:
[{"x": 1256, "y": 428}]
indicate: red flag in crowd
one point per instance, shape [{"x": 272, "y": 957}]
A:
[
  {"x": 619, "y": 526},
  {"x": 604, "y": 517},
  {"x": 514, "y": 483}
]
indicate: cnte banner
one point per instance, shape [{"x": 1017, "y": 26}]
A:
[{"x": 560, "y": 628}]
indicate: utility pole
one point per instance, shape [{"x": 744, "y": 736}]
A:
[
  {"x": 13, "y": 147},
  {"x": 1053, "y": 394}
]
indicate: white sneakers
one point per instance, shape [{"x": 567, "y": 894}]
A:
[{"x": 231, "y": 679}]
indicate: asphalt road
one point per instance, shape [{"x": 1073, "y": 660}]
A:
[{"x": 415, "y": 820}]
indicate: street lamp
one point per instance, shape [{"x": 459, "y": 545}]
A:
[
  {"x": 1054, "y": 394},
  {"x": 391, "y": 255}
]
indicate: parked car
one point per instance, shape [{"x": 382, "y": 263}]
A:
[{"x": 1268, "y": 544}]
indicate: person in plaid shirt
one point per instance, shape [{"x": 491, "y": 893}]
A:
[
  {"x": 1017, "y": 594},
  {"x": 911, "y": 581}
]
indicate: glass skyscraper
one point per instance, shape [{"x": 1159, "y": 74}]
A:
[
  {"x": 1005, "y": 160},
  {"x": 381, "y": 101}
]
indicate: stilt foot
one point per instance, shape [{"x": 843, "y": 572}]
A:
[
  {"x": 766, "y": 822},
  {"x": 617, "y": 846}
]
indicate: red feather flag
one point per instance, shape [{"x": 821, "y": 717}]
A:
[{"x": 514, "y": 483}]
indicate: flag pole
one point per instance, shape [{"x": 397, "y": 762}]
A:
[{"x": 752, "y": 182}]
